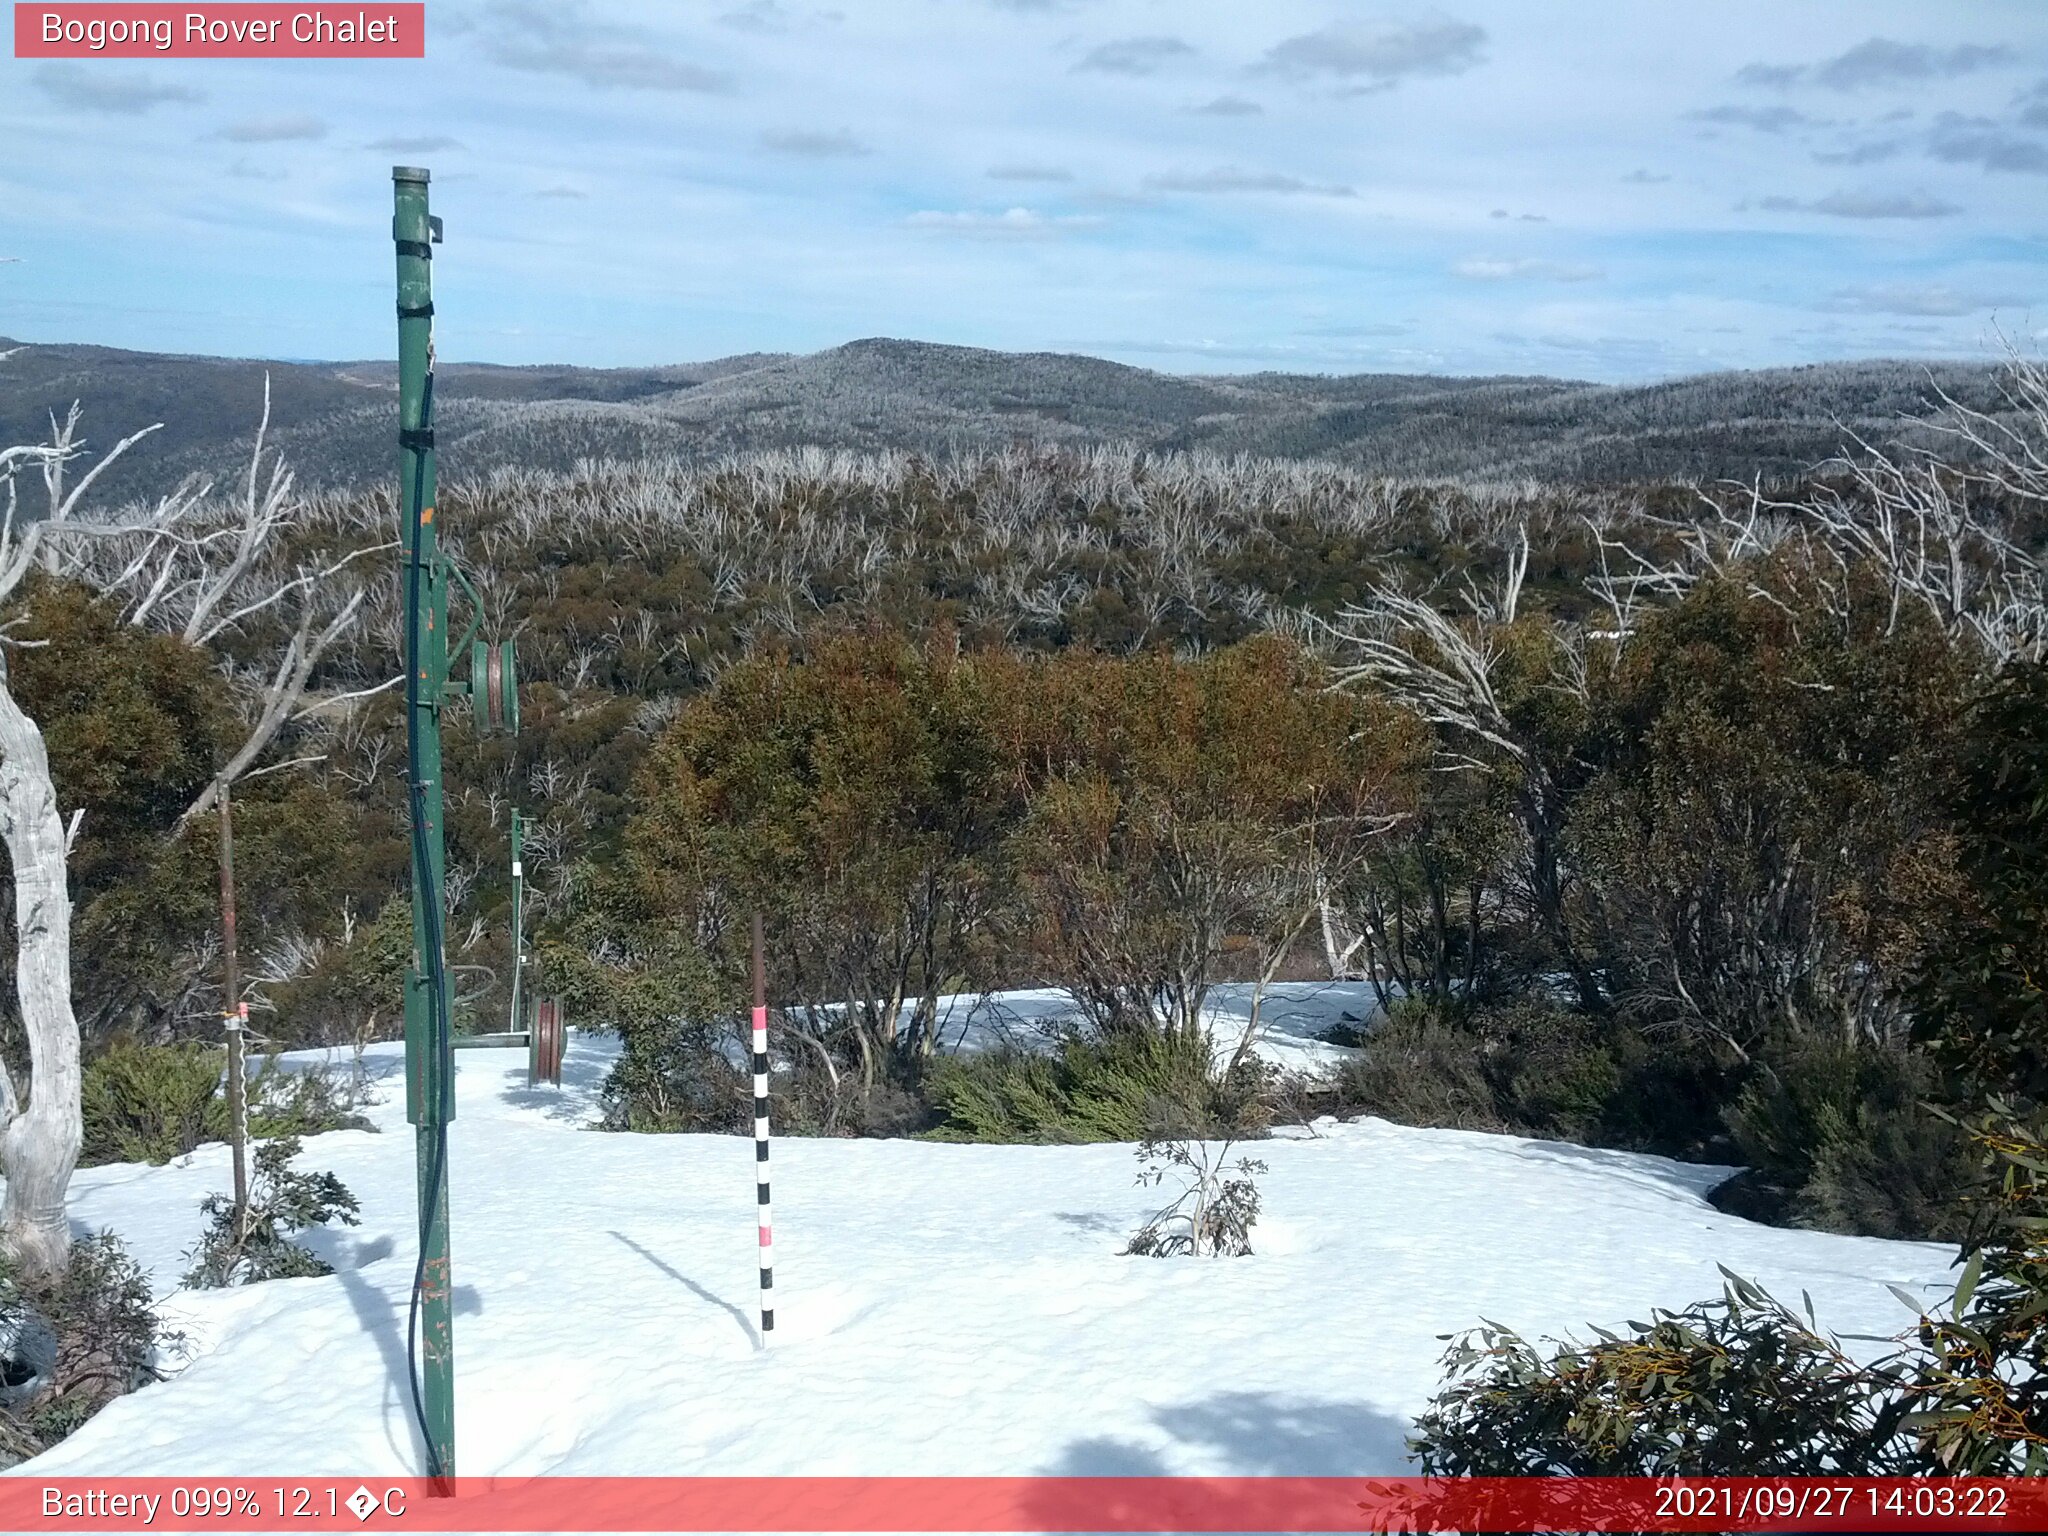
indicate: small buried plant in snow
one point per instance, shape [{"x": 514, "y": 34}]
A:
[
  {"x": 1213, "y": 1215},
  {"x": 281, "y": 1202}
]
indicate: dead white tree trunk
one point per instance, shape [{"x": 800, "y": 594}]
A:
[
  {"x": 39, "y": 1138},
  {"x": 39, "y": 1145}
]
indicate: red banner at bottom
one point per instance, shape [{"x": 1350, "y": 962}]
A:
[{"x": 1052, "y": 1504}]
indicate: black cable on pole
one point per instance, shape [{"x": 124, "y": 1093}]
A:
[{"x": 432, "y": 960}]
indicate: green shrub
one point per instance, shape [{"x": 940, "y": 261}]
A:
[
  {"x": 150, "y": 1103},
  {"x": 281, "y": 1202},
  {"x": 1125, "y": 1085},
  {"x": 1837, "y": 1137},
  {"x": 1553, "y": 1070},
  {"x": 1742, "y": 1385},
  {"x": 1737, "y": 1386},
  {"x": 293, "y": 1101},
  {"x": 1980, "y": 993},
  {"x": 672, "y": 1077},
  {"x": 1421, "y": 1065},
  {"x": 1530, "y": 1067},
  {"x": 1670, "y": 1094}
]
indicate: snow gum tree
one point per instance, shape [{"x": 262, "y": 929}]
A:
[
  {"x": 858, "y": 798},
  {"x": 1186, "y": 817}
]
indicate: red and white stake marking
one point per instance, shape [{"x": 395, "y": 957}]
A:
[{"x": 766, "y": 1213}]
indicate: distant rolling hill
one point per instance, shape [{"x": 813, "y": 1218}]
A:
[{"x": 336, "y": 421}]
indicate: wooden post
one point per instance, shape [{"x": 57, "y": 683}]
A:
[{"x": 234, "y": 1018}]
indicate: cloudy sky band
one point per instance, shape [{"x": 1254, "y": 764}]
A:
[{"x": 1605, "y": 190}]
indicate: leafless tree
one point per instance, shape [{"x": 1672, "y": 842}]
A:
[
  {"x": 1447, "y": 671},
  {"x": 40, "y": 1135},
  {"x": 183, "y": 566}
]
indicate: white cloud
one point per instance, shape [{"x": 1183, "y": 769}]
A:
[
  {"x": 1495, "y": 269},
  {"x": 1920, "y": 299},
  {"x": 561, "y": 37},
  {"x": 1879, "y": 62},
  {"x": 1135, "y": 55},
  {"x": 1865, "y": 205},
  {"x": 425, "y": 144},
  {"x": 120, "y": 95},
  {"x": 813, "y": 145},
  {"x": 1015, "y": 172},
  {"x": 1377, "y": 57},
  {"x": 298, "y": 127},
  {"x": 1229, "y": 178},
  {"x": 1012, "y": 224},
  {"x": 1962, "y": 140},
  {"x": 1771, "y": 119}
]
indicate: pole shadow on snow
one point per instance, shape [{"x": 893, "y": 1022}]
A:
[
  {"x": 746, "y": 1323},
  {"x": 1683, "y": 1182},
  {"x": 1245, "y": 1434},
  {"x": 342, "y": 1251},
  {"x": 384, "y": 1320}
]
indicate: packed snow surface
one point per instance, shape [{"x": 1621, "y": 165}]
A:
[{"x": 939, "y": 1308}]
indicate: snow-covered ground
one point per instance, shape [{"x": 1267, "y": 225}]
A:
[{"x": 940, "y": 1308}]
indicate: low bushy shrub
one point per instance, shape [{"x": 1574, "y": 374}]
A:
[
  {"x": 1420, "y": 1065},
  {"x": 294, "y": 1101},
  {"x": 1737, "y": 1386},
  {"x": 1837, "y": 1136},
  {"x": 678, "y": 1074},
  {"x": 1529, "y": 1067},
  {"x": 672, "y": 1076},
  {"x": 1121, "y": 1085},
  {"x": 151, "y": 1103}
]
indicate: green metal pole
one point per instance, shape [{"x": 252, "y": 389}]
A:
[{"x": 429, "y": 1062}]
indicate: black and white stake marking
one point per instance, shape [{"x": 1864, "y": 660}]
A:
[{"x": 767, "y": 1220}]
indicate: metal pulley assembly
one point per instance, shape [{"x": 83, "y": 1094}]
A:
[
  {"x": 546, "y": 1038},
  {"x": 494, "y": 688}
]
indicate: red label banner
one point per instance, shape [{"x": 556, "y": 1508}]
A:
[
  {"x": 1055, "y": 1504},
  {"x": 239, "y": 31}
]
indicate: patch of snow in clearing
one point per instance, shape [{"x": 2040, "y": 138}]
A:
[{"x": 940, "y": 1308}]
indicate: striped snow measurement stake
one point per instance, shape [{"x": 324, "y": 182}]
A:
[{"x": 766, "y": 1223}]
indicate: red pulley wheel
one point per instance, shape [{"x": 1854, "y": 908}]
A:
[
  {"x": 549, "y": 1038},
  {"x": 492, "y": 715}
]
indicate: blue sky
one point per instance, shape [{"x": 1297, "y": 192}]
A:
[{"x": 1615, "y": 191}]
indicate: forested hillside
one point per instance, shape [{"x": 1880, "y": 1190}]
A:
[{"x": 333, "y": 420}]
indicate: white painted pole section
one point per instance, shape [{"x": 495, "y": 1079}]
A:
[{"x": 766, "y": 1220}]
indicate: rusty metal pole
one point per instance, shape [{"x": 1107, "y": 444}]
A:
[{"x": 233, "y": 1018}]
